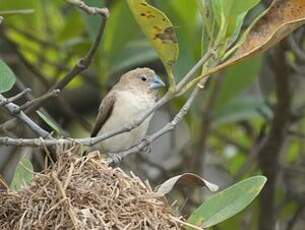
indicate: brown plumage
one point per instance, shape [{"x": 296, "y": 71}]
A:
[{"x": 134, "y": 94}]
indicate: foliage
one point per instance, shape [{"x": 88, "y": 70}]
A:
[
  {"x": 227, "y": 203},
  {"x": 23, "y": 174},
  {"x": 7, "y": 77}
]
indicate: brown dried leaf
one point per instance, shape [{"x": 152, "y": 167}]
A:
[
  {"x": 282, "y": 17},
  {"x": 189, "y": 179}
]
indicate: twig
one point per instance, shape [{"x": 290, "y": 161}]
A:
[
  {"x": 14, "y": 110},
  {"x": 64, "y": 196},
  {"x": 42, "y": 99},
  {"x": 200, "y": 145},
  {"x": 21, "y": 11},
  {"x": 89, "y": 10},
  {"x": 16, "y": 97},
  {"x": 195, "y": 68}
]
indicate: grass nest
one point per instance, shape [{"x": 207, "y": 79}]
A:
[{"x": 84, "y": 193}]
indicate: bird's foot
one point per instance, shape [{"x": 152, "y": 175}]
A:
[
  {"x": 114, "y": 160},
  {"x": 147, "y": 146}
]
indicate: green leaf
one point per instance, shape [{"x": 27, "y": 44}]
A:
[
  {"x": 50, "y": 121},
  {"x": 7, "y": 77},
  {"x": 237, "y": 15},
  {"x": 227, "y": 203},
  {"x": 230, "y": 15},
  {"x": 210, "y": 29},
  {"x": 237, "y": 79},
  {"x": 23, "y": 174},
  {"x": 240, "y": 108},
  {"x": 159, "y": 30}
]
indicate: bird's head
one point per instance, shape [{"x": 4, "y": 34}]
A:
[{"x": 144, "y": 79}]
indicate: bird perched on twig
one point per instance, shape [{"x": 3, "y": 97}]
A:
[{"x": 134, "y": 94}]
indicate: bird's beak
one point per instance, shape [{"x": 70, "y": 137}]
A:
[{"x": 156, "y": 83}]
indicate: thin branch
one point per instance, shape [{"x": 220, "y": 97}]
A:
[
  {"x": 41, "y": 99},
  {"x": 21, "y": 11},
  {"x": 194, "y": 70},
  {"x": 88, "y": 9},
  {"x": 14, "y": 110},
  {"x": 16, "y": 97}
]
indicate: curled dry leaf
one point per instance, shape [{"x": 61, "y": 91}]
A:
[
  {"x": 279, "y": 20},
  {"x": 189, "y": 179},
  {"x": 283, "y": 17}
]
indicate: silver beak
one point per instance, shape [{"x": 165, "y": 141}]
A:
[{"x": 157, "y": 83}]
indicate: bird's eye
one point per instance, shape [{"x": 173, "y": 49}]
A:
[{"x": 143, "y": 78}]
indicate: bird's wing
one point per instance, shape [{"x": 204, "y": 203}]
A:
[{"x": 104, "y": 113}]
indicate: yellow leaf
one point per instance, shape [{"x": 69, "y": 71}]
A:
[{"x": 159, "y": 30}]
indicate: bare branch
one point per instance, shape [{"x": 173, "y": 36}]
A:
[
  {"x": 16, "y": 97},
  {"x": 89, "y": 10},
  {"x": 42, "y": 99},
  {"x": 195, "y": 68},
  {"x": 14, "y": 110},
  {"x": 21, "y": 11}
]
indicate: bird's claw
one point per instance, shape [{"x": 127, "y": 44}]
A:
[
  {"x": 147, "y": 146},
  {"x": 115, "y": 160}
]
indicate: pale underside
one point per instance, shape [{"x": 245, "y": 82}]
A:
[{"x": 127, "y": 108}]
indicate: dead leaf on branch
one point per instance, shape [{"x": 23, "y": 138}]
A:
[
  {"x": 283, "y": 17},
  {"x": 278, "y": 21},
  {"x": 188, "y": 179}
]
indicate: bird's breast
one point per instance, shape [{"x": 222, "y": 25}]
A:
[{"x": 128, "y": 107}]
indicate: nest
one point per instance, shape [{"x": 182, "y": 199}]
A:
[{"x": 84, "y": 193}]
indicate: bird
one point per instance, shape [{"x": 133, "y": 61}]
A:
[{"x": 130, "y": 98}]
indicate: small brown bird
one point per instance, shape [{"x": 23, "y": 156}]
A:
[{"x": 134, "y": 94}]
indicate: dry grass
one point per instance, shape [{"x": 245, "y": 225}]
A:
[{"x": 84, "y": 193}]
